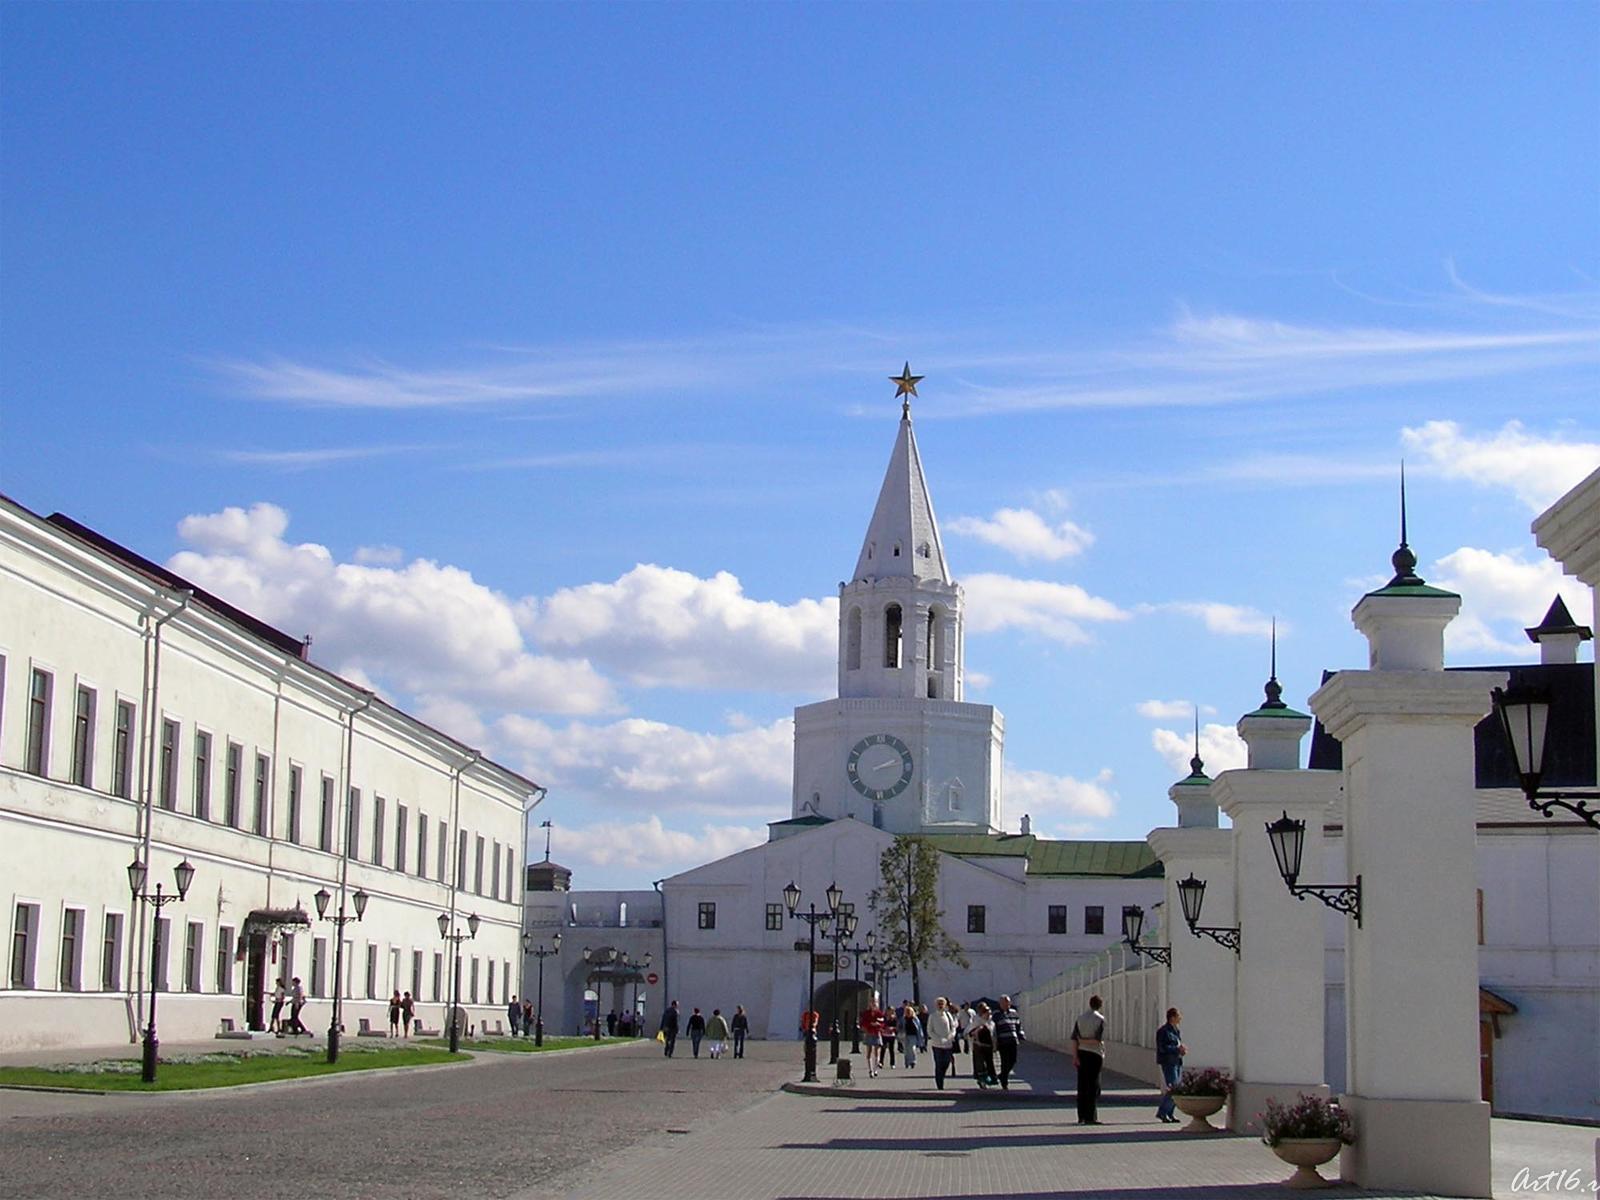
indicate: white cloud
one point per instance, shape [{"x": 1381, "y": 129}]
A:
[
  {"x": 630, "y": 845},
  {"x": 1502, "y": 595},
  {"x": 1169, "y": 710},
  {"x": 1054, "y": 610},
  {"x": 379, "y": 556},
  {"x": 422, "y": 629},
  {"x": 663, "y": 627},
  {"x": 1536, "y": 469},
  {"x": 1232, "y": 619},
  {"x": 1220, "y": 747},
  {"x": 746, "y": 771},
  {"x": 305, "y": 460},
  {"x": 1025, "y": 534},
  {"x": 1052, "y": 799}
]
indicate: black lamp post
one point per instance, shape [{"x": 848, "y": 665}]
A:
[
  {"x": 791, "y": 901},
  {"x": 541, "y": 953},
  {"x": 643, "y": 965},
  {"x": 1133, "y": 926},
  {"x": 1524, "y": 713},
  {"x": 339, "y": 920},
  {"x": 844, "y": 927},
  {"x": 455, "y": 937},
  {"x": 1288, "y": 836},
  {"x": 882, "y": 973},
  {"x": 183, "y": 874},
  {"x": 856, "y": 952},
  {"x": 1192, "y": 895}
]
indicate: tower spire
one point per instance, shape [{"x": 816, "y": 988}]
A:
[
  {"x": 1274, "y": 689},
  {"x": 905, "y": 387},
  {"x": 1403, "y": 560},
  {"x": 1197, "y": 766},
  {"x": 903, "y": 536}
]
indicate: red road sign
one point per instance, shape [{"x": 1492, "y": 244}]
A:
[{"x": 652, "y": 978}]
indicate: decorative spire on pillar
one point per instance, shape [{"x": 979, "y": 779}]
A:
[
  {"x": 1273, "y": 689},
  {"x": 1404, "y": 561},
  {"x": 1197, "y": 766}
]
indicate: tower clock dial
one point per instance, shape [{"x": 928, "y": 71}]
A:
[{"x": 879, "y": 766}]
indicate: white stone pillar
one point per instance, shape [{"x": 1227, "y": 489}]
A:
[
  {"x": 1201, "y": 984},
  {"x": 1411, "y": 966},
  {"x": 1280, "y": 1017}
]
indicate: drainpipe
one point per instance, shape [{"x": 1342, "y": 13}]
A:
[
  {"x": 535, "y": 798},
  {"x": 149, "y": 697},
  {"x": 457, "y": 867}
]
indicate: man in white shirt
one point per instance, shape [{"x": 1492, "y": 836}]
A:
[{"x": 1088, "y": 1056}]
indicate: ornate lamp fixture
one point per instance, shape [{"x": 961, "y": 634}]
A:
[
  {"x": 1132, "y": 927},
  {"x": 1288, "y": 836},
  {"x": 1524, "y": 713},
  {"x": 1192, "y": 895}
]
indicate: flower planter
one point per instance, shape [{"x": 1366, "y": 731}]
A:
[
  {"x": 1306, "y": 1155},
  {"x": 1199, "y": 1108}
]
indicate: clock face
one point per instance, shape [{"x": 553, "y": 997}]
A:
[{"x": 879, "y": 766}]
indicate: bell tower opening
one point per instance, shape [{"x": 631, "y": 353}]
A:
[{"x": 891, "y": 637}]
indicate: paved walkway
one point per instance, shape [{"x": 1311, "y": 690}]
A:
[{"x": 900, "y": 1138}]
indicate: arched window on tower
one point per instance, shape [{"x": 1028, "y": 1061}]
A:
[
  {"x": 891, "y": 637},
  {"x": 852, "y": 640}
]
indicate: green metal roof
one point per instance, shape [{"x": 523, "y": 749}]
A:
[
  {"x": 1282, "y": 711},
  {"x": 1415, "y": 590},
  {"x": 809, "y": 819},
  {"x": 1058, "y": 858}
]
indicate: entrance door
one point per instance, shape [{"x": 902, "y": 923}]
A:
[{"x": 255, "y": 978}]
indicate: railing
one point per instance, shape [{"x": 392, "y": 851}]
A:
[{"x": 1134, "y": 992}]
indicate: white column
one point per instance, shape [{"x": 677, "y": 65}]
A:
[
  {"x": 1202, "y": 982},
  {"x": 1280, "y": 986},
  {"x": 1411, "y": 966}
]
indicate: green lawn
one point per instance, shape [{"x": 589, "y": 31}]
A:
[
  {"x": 519, "y": 1045},
  {"x": 220, "y": 1069}
]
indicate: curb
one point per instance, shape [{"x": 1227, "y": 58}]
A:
[{"x": 987, "y": 1095}]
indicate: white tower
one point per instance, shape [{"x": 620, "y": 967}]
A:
[{"x": 899, "y": 747}]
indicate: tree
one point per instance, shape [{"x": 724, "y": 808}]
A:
[{"x": 911, "y": 929}]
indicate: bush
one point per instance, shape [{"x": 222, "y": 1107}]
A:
[
  {"x": 1307, "y": 1117},
  {"x": 1203, "y": 1081}
]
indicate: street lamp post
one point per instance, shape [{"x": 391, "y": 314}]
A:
[
  {"x": 1192, "y": 896},
  {"x": 791, "y": 900},
  {"x": 856, "y": 952},
  {"x": 455, "y": 937},
  {"x": 1132, "y": 927},
  {"x": 541, "y": 953},
  {"x": 844, "y": 927},
  {"x": 1524, "y": 713},
  {"x": 183, "y": 874},
  {"x": 339, "y": 920},
  {"x": 1288, "y": 837},
  {"x": 643, "y": 965}
]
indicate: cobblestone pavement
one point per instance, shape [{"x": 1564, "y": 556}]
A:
[{"x": 497, "y": 1126}]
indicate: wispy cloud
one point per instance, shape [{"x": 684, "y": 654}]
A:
[{"x": 311, "y": 459}]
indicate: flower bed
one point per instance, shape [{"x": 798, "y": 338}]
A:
[
  {"x": 1309, "y": 1117},
  {"x": 1204, "y": 1081}
]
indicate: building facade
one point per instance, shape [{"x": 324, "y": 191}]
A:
[{"x": 141, "y": 717}]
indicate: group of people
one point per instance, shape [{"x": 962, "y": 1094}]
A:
[
  {"x": 716, "y": 1030},
  {"x": 992, "y": 1036},
  {"x": 294, "y": 994},
  {"x": 521, "y": 1017},
  {"x": 1089, "y": 1054}
]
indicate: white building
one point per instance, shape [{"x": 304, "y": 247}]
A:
[{"x": 142, "y": 717}]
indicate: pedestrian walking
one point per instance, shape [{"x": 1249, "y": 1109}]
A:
[
  {"x": 528, "y": 1018},
  {"x": 911, "y": 1031},
  {"x": 1088, "y": 1056},
  {"x": 611, "y": 1023},
  {"x": 982, "y": 1035},
  {"x": 408, "y": 1009},
  {"x": 394, "y": 1014},
  {"x": 967, "y": 1019},
  {"x": 669, "y": 1028},
  {"x": 279, "y": 995},
  {"x": 1008, "y": 1037},
  {"x": 717, "y": 1033},
  {"x": 922, "y": 1024},
  {"x": 696, "y": 1030},
  {"x": 942, "y": 1038},
  {"x": 741, "y": 1030},
  {"x": 1169, "y": 1057},
  {"x": 872, "y": 1025},
  {"x": 297, "y": 1001},
  {"x": 514, "y": 1015}
]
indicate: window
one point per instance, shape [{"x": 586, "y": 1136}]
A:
[
  {"x": 461, "y": 858},
  {"x": 292, "y": 830},
  {"x": 372, "y": 971},
  {"x": 163, "y": 952},
  {"x": 1094, "y": 919},
  {"x": 169, "y": 765},
  {"x": 494, "y": 872},
  {"x": 400, "y": 837},
  {"x": 352, "y": 825},
  {"x": 258, "y": 811},
  {"x": 349, "y": 961},
  {"x": 422, "y": 845},
  {"x": 83, "y": 737},
  {"x": 225, "y": 960},
  {"x": 1058, "y": 918},
  {"x": 444, "y": 849},
  {"x": 774, "y": 917},
  {"x": 325, "y": 817},
  {"x": 477, "y": 865},
  {"x": 191, "y": 957},
  {"x": 319, "y": 967},
  {"x": 891, "y": 636},
  {"x": 235, "y": 764},
  {"x": 474, "y": 992},
  {"x": 438, "y": 974},
  {"x": 111, "y": 954},
  {"x": 416, "y": 975},
  {"x": 852, "y": 641},
  {"x": 24, "y": 939},
  {"x": 708, "y": 914},
  {"x": 37, "y": 760},
  {"x": 122, "y": 751},
  {"x": 202, "y": 775},
  {"x": 377, "y": 830},
  {"x": 489, "y": 999},
  {"x": 977, "y": 918},
  {"x": 70, "y": 977},
  {"x": 511, "y": 874}
]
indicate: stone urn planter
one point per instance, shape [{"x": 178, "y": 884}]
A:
[
  {"x": 1306, "y": 1155},
  {"x": 1198, "y": 1108}
]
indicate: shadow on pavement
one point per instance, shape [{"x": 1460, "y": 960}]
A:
[
  {"x": 998, "y": 1140},
  {"x": 1263, "y": 1191}
]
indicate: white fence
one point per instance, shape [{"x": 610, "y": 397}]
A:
[{"x": 1134, "y": 992}]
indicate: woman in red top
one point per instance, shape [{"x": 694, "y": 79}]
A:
[{"x": 873, "y": 1021}]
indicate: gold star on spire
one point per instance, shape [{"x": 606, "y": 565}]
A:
[{"x": 905, "y": 385}]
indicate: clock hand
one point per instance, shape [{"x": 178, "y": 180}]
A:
[{"x": 883, "y": 766}]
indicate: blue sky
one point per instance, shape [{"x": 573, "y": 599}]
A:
[{"x": 533, "y": 357}]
